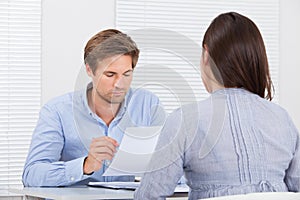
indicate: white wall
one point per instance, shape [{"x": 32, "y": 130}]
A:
[
  {"x": 68, "y": 24},
  {"x": 289, "y": 82},
  {"x": 66, "y": 27}
]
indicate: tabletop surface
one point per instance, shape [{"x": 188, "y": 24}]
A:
[
  {"x": 81, "y": 192},
  {"x": 261, "y": 196},
  {"x": 89, "y": 193},
  {"x": 73, "y": 193}
]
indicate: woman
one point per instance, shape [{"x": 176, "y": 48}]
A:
[{"x": 236, "y": 141}]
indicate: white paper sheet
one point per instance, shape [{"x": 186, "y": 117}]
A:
[
  {"x": 134, "y": 152},
  {"x": 132, "y": 186}
]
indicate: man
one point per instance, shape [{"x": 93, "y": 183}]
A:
[{"x": 77, "y": 132}]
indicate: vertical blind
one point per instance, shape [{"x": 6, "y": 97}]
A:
[
  {"x": 20, "y": 84},
  {"x": 169, "y": 34}
]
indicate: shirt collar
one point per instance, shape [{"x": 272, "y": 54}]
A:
[
  {"x": 231, "y": 91},
  {"x": 85, "y": 98}
]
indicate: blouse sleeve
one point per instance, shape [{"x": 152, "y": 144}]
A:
[
  {"x": 166, "y": 166},
  {"x": 292, "y": 177}
]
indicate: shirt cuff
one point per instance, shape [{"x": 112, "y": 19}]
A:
[{"x": 74, "y": 170}]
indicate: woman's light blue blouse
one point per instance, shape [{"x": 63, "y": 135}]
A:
[{"x": 234, "y": 142}]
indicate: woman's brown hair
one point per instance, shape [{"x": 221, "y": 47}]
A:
[{"x": 238, "y": 54}]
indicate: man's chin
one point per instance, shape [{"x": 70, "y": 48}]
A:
[{"x": 117, "y": 100}]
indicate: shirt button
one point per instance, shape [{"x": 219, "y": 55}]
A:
[{"x": 72, "y": 178}]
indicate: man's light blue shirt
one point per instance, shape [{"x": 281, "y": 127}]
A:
[{"x": 65, "y": 128}]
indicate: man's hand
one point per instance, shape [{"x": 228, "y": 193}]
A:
[{"x": 102, "y": 148}]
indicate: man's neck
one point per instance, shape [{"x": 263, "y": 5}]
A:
[{"x": 105, "y": 110}]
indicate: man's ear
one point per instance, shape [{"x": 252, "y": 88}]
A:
[{"x": 88, "y": 69}]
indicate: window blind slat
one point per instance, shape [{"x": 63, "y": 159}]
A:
[
  {"x": 20, "y": 84},
  {"x": 188, "y": 18}
]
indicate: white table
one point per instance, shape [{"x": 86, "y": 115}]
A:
[
  {"x": 80, "y": 193},
  {"x": 261, "y": 196},
  {"x": 92, "y": 193}
]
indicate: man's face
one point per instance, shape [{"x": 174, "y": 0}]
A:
[{"x": 112, "y": 79}]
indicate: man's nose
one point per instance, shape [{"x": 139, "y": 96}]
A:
[{"x": 119, "y": 82}]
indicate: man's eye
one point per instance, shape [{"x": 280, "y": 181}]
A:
[
  {"x": 127, "y": 74},
  {"x": 109, "y": 74}
]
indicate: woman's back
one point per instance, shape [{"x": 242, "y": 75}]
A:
[
  {"x": 236, "y": 141},
  {"x": 250, "y": 152}
]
